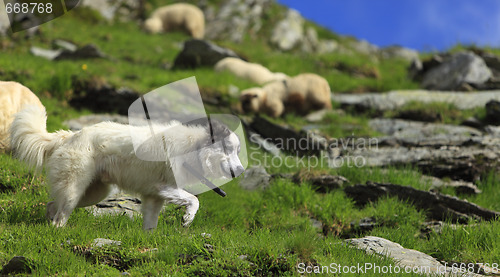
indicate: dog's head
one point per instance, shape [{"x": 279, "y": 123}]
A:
[
  {"x": 218, "y": 153},
  {"x": 251, "y": 99}
]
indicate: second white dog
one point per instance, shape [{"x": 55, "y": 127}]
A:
[{"x": 82, "y": 165}]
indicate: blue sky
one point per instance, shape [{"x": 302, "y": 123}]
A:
[{"x": 424, "y": 25}]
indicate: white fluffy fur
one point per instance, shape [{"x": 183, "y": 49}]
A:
[
  {"x": 13, "y": 97},
  {"x": 249, "y": 71},
  {"x": 180, "y": 16},
  {"x": 82, "y": 165}
]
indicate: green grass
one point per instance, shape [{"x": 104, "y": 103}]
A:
[{"x": 272, "y": 227}]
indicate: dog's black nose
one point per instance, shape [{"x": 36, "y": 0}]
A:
[{"x": 238, "y": 170}]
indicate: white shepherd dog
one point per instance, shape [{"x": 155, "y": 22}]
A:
[{"x": 82, "y": 165}]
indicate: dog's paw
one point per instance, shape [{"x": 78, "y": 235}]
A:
[{"x": 188, "y": 219}]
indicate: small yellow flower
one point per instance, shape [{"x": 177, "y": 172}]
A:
[{"x": 84, "y": 66}]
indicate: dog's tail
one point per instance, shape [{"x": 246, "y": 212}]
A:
[{"x": 30, "y": 141}]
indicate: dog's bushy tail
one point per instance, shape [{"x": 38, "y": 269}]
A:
[{"x": 30, "y": 141}]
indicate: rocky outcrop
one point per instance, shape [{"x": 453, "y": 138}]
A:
[
  {"x": 456, "y": 72},
  {"x": 473, "y": 69},
  {"x": 235, "y": 19},
  {"x": 409, "y": 259},
  {"x": 289, "y": 32},
  {"x": 437, "y": 206},
  {"x": 196, "y": 53},
  {"x": 395, "y": 99},
  {"x": 117, "y": 9}
]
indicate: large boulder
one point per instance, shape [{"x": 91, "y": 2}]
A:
[
  {"x": 289, "y": 32},
  {"x": 198, "y": 53},
  {"x": 459, "y": 70}
]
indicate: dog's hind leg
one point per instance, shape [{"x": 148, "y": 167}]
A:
[
  {"x": 151, "y": 207},
  {"x": 69, "y": 180},
  {"x": 182, "y": 198}
]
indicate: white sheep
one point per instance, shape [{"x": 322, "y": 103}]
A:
[
  {"x": 177, "y": 17},
  {"x": 13, "y": 98},
  {"x": 249, "y": 71},
  {"x": 301, "y": 94}
]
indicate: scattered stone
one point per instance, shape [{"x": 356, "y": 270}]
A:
[
  {"x": 288, "y": 33},
  {"x": 63, "y": 44},
  {"x": 100, "y": 242},
  {"x": 196, "y": 53},
  {"x": 394, "y": 100},
  {"x": 419, "y": 115},
  {"x": 460, "y": 187},
  {"x": 321, "y": 183},
  {"x": 399, "y": 52},
  {"x": 89, "y": 51},
  {"x": 493, "y": 112},
  {"x": 206, "y": 235},
  {"x": 117, "y": 204},
  {"x": 317, "y": 116},
  {"x": 17, "y": 265},
  {"x": 438, "y": 206},
  {"x": 459, "y": 69},
  {"x": 316, "y": 223},
  {"x": 364, "y": 225},
  {"x": 414, "y": 260},
  {"x": 243, "y": 257},
  {"x": 210, "y": 248},
  {"x": 255, "y": 177}
]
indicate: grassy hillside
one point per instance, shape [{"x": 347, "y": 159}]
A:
[{"x": 263, "y": 232}]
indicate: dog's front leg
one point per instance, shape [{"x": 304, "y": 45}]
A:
[
  {"x": 151, "y": 207},
  {"x": 183, "y": 198}
]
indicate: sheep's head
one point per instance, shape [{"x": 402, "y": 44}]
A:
[
  {"x": 251, "y": 99},
  {"x": 153, "y": 25}
]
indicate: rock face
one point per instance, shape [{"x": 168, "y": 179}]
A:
[
  {"x": 196, "y": 53},
  {"x": 395, "y": 99},
  {"x": 289, "y": 32},
  {"x": 234, "y": 19},
  {"x": 117, "y": 9},
  {"x": 411, "y": 259},
  {"x": 463, "y": 68}
]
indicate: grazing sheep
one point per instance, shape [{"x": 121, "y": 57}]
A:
[
  {"x": 249, "y": 71},
  {"x": 180, "y": 16},
  {"x": 13, "y": 98},
  {"x": 301, "y": 94}
]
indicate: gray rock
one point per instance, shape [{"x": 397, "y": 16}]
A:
[
  {"x": 17, "y": 265},
  {"x": 117, "y": 203},
  {"x": 404, "y": 257},
  {"x": 235, "y": 19},
  {"x": 196, "y": 53},
  {"x": 493, "y": 112},
  {"x": 87, "y": 120},
  {"x": 125, "y": 10},
  {"x": 316, "y": 116},
  {"x": 395, "y": 99},
  {"x": 327, "y": 46},
  {"x": 364, "y": 47},
  {"x": 89, "y": 51},
  {"x": 399, "y": 52},
  {"x": 310, "y": 41},
  {"x": 100, "y": 242},
  {"x": 398, "y": 128},
  {"x": 460, "y": 187},
  {"x": 463, "y": 68},
  {"x": 255, "y": 177},
  {"x": 289, "y": 32}
]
